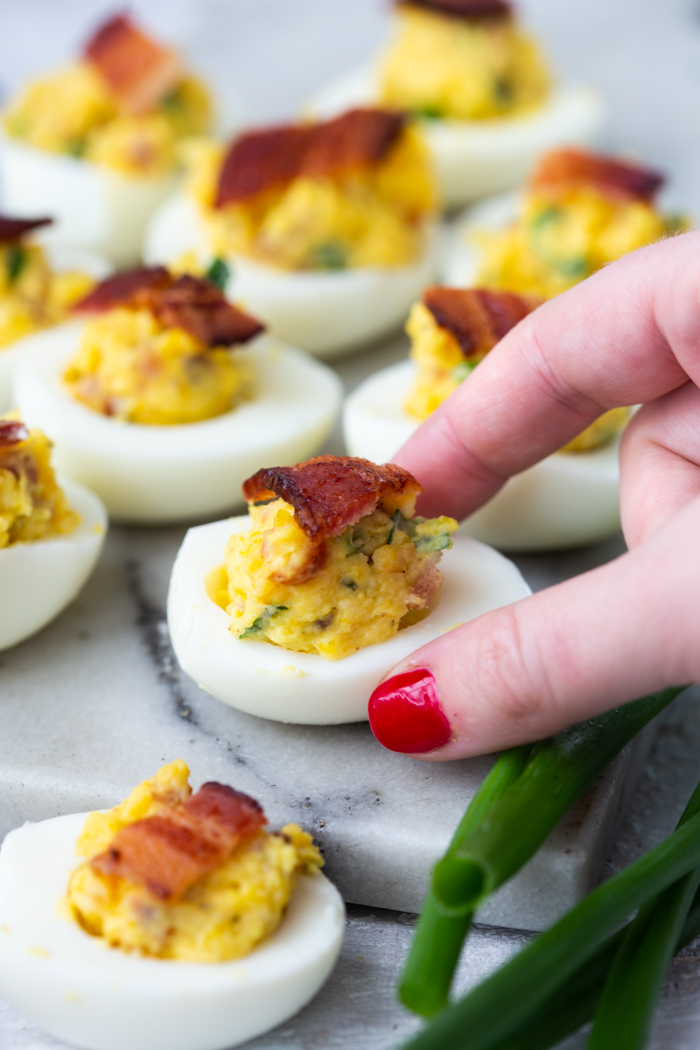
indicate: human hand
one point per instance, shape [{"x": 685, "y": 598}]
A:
[{"x": 628, "y": 335}]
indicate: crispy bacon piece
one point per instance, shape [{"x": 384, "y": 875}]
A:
[
  {"x": 263, "y": 159},
  {"x": 179, "y": 302},
  {"x": 470, "y": 9},
  {"x": 357, "y": 138},
  {"x": 137, "y": 70},
  {"x": 622, "y": 180},
  {"x": 329, "y": 493},
  {"x": 201, "y": 309},
  {"x": 476, "y": 317},
  {"x": 121, "y": 289},
  {"x": 168, "y": 852},
  {"x": 14, "y": 229},
  {"x": 12, "y": 432}
]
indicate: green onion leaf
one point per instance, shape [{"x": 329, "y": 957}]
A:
[
  {"x": 218, "y": 274},
  {"x": 329, "y": 256},
  {"x": 262, "y": 621},
  {"x": 15, "y": 261}
]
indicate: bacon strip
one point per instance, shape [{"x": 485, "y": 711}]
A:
[
  {"x": 12, "y": 432},
  {"x": 476, "y": 317},
  {"x": 470, "y": 9},
  {"x": 329, "y": 493},
  {"x": 121, "y": 289},
  {"x": 14, "y": 229},
  {"x": 178, "y": 302},
  {"x": 267, "y": 158},
  {"x": 614, "y": 178},
  {"x": 167, "y": 853},
  {"x": 137, "y": 70}
]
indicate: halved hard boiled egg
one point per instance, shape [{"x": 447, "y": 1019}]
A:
[
  {"x": 568, "y": 500},
  {"x": 323, "y": 591},
  {"x": 579, "y": 211},
  {"x": 51, "y": 537},
  {"x": 80, "y": 989},
  {"x": 96, "y": 144},
  {"x": 328, "y": 227},
  {"x": 327, "y": 314},
  {"x": 168, "y": 473}
]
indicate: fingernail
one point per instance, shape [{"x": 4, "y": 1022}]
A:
[{"x": 405, "y": 713}]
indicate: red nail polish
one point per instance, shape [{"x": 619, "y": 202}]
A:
[{"x": 405, "y": 713}]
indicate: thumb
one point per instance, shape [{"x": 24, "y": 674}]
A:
[{"x": 530, "y": 669}]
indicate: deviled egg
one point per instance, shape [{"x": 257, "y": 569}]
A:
[
  {"x": 174, "y": 921},
  {"x": 296, "y": 611},
  {"x": 37, "y": 289},
  {"x": 51, "y": 534},
  {"x": 480, "y": 89},
  {"x": 327, "y": 227},
  {"x": 569, "y": 499},
  {"x": 579, "y": 211},
  {"x": 96, "y": 143},
  {"x": 163, "y": 396}
]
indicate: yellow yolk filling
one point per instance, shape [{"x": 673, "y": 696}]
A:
[
  {"x": 222, "y": 916},
  {"x": 31, "y": 296},
  {"x": 32, "y": 504},
  {"x": 129, "y": 365},
  {"x": 365, "y": 589},
  {"x": 73, "y": 112},
  {"x": 442, "y": 367},
  {"x": 558, "y": 241},
  {"x": 456, "y": 68},
  {"x": 372, "y": 216}
]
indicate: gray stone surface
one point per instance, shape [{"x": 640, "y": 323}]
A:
[{"x": 268, "y": 54}]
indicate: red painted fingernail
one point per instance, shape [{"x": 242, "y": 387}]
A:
[{"x": 405, "y": 713}]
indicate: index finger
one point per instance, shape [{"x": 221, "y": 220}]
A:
[{"x": 627, "y": 335}]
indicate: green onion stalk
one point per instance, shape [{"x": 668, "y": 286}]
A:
[
  {"x": 525, "y": 795},
  {"x": 507, "y": 1001}
]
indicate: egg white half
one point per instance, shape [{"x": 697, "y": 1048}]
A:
[
  {"x": 272, "y": 682},
  {"x": 60, "y": 258},
  {"x": 568, "y": 500},
  {"x": 38, "y": 580},
  {"x": 173, "y": 473},
  {"x": 326, "y": 314},
  {"x": 473, "y": 158},
  {"x": 78, "y": 989},
  {"x": 460, "y": 255},
  {"x": 93, "y": 206}
]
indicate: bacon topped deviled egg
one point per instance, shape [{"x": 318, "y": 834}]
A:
[
  {"x": 579, "y": 211},
  {"x": 51, "y": 534},
  {"x": 328, "y": 582},
  {"x": 162, "y": 395},
  {"x": 569, "y": 498},
  {"x": 479, "y": 87},
  {"x": 327, "y": 226},
  {"x": 96, "y": 144},
  {"x": 174, "y": 921}
]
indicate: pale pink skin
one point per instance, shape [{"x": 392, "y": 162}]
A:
[{"x": 628, "y": 335}]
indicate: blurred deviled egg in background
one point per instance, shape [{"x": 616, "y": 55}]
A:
[
  {"x": 328, "y": 227},
  {"x": 51, "y": 534},
  {"x": 173, "y": 921},
  {"x": 38, "y": 286},
  {"x": 578, "y": 211},
  {"x": 296, "y": 611},
  {"x": 568, "y": 499},
  {"x": 162, "y": 396},
  {"x": 479, "y": 88},
  {"x": 95, "y": 144}
]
